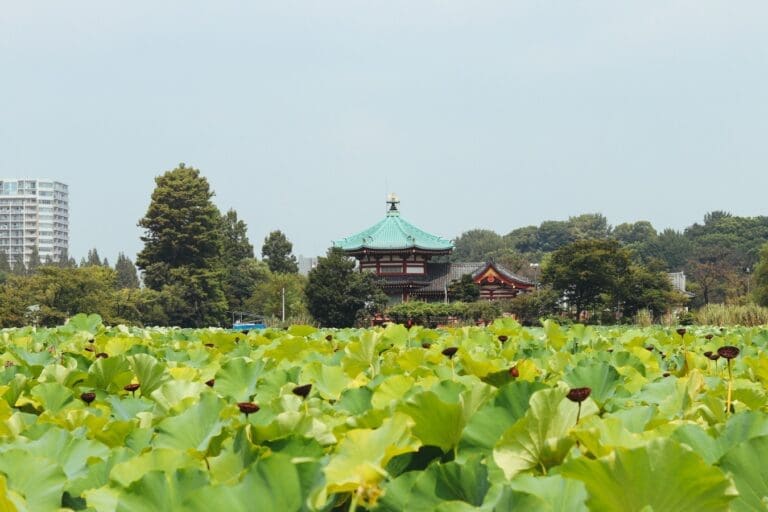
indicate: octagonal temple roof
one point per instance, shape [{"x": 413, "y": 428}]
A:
[{"x": 394, "y": 233}]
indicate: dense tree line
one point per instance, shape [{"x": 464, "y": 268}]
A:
[
  {"x": 198, "y": 268},
  {"x": 719, "y": 255}
]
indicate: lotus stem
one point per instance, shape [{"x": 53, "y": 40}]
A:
[
  {"x": 728, "y": 352},
  {"x": 730, "y": 390},
  {"x": 578, "y": 414},
  {"x": 353, "y": 501}
]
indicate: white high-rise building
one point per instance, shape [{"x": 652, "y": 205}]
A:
[{"x": 34, "y": 213}]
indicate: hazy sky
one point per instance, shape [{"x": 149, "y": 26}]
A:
[{"x": 302, "y": 115}]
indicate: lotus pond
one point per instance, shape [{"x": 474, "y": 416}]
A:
[{"x": 496, "y": 418}]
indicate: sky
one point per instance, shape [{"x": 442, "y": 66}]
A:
[{"x": 304, "y": 115}]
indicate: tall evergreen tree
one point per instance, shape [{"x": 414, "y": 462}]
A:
[
  {"x": 277, "y": 252},
  {"x": 181, "y": 227},
  {"x": 93, "y": 259},
  {"x": 236, "y": 245},
  {"x": 126, "y": 273},
  {"x": 183, "y": 248},
  {"x": 65, "y": 261}
]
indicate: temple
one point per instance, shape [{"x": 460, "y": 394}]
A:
[{"x": 414, "y": 264}]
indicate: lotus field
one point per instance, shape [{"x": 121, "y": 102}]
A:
[{"x": 490, "y": 418}]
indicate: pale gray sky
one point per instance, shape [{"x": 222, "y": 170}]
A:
[{"x": 302, "y": 115}]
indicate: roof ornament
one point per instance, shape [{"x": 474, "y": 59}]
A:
[{"x": 392, "y": 201}]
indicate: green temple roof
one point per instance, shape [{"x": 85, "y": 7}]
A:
[{"x": 393, "y": 233}]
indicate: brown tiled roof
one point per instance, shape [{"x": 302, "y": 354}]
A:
[
  {"x": 441, "y": 275},
  {"x": 505, "y": 272}
]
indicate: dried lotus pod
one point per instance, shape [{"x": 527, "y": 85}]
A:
[
  {"x": 450, "y": 352},
  {"x": 578, "y": 395},
  {"x": 728, "y": 352},
  {"x": 302, "y": 391},
  {"x": 248, "y": 408}
]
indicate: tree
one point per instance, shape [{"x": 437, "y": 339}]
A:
[
  {"x": 554, "y": 234},
  {"x": 267, "y": 298},
  {"x": 673, "y": 247},
  {"x": 140, "y": 306},
  {"x": 530, "y": 307},
  {"x": 760, "y": 293},
  {"x": 589, "y": 226},
  {"x": 336, "y": 292},
  {"x": 276, "y": 251},
  {"x": 242, "y": 272},
  {"x": 464, "y": 289},
  {"x": 18, "y": 267},
  {"x": 236, "y": 246},
  {"x": 182, "y": 227},
  {"x": 183, "y": 248},
  {"x": 127, "y": 276},
  {"x": 647, "y": 287},
  {"x": 5, "y": 265},
  {"x": 524, "y": 240},
  {"x": 585, "y": 270},
  {"x": 194, "y": 297},
  {"x": 93, "y": 259},
  {"x": 476, "y": 245},
  {"x": 64, "y": 261},
  {"x": 713, "y": 270},
  {"x": 34, "y": 261},
  {"x": 242, "y": 281},
  {"x": 60, "y": 293}
]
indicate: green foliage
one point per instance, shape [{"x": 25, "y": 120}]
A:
[
  {"x": 194, "y": 297},
  {"x": 236, "y": 246},
  {"x": 277, "y": 253},
  {"x": 761, "y": 278},
  {"x": 660, "y": 476},
  {"x": 434, "y": 313},
  {"x": 127, "y": 276},
  {"x": 267, "y": 296},
  {"x": 530, "y": 308},
  {"x": 34, "y": 261},
  {"x": 336, "y": 292},
  {"x": 5, "y": 265},
  {"x": 584, "y": 271},
  {"x": 93, "y": 259},
  {"x": 476, "y": 244},
  {"x": 59, "y": 293},
  {"x": 647, "y": 287},
  {"x": 182, "y": 227},
  {"x": 241, "y": 282},
  {"x": 183, "y": 244},
  {"x": 391, "y": 423},
  {"x": 464, "y": 290}
]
